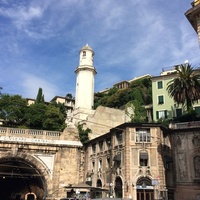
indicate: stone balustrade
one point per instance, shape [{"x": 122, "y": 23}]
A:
[
  {"x": 29, "y": 133},
  {"x": 185, "y": 125}
]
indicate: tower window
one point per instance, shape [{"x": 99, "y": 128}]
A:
[{"x": 84, "y": 54}]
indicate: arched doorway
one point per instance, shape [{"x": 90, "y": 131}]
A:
[
  {"x": 118, "y": 188},
  {"x": 99, "y": 194},
  {"x": 145, "y": 189},
  {"x": 30, "y": 196},
  {"x": 18, "y": 178}
]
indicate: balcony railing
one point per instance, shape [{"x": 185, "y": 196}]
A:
[
  {"x": 185, "y": 125},
  {"x": 29, "y": 133},
  {"x": 18, "y": 135}
]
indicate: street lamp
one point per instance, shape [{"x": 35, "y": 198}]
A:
[
  {"x": 110, "y": 192},
  {"x": 144, "y": 187}
]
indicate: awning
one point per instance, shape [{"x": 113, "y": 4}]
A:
[
  {"x": 117, "y": 157},
  {"x": 143, "y": 155},
  {"x": 85, "y": 186}
]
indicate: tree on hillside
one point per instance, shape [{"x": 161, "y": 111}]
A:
[
  {"x": 40, "y": 96},
  {"x": 69, "y": 95},
  {"x": 185, "y": 87},
  {"x": 12, "y": 110},
  {"x": 53, "y": 118},
  {"x": 35, "y": 115}
]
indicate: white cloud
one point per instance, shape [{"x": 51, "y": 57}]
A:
[{"x": 31, "y": 84}]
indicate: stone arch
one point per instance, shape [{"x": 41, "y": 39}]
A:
[
  {"x": 144, "y": 188},
  {"x": 98, "y": 184},
  {"x": 147, "y": 180},
  {"x": 29, "y": 163},
  {"x": 30, "y": 196}
]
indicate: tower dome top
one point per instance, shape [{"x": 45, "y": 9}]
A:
[{"x": 86, "y": 47}]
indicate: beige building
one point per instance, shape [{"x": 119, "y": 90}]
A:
[{"x": 131, "y": 161}]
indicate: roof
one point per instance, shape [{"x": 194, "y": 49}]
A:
[
  {"x": 67, "y": 98},
  {"x": 86, "y": 47},
  {"x": 131, "y": 125}
]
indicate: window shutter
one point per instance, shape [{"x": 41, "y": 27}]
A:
[
  {"x": 157, "y": 115},
  {"x": 165, "y": 114}
]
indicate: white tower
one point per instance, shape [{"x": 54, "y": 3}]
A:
[{"x": 85, "y": 73}]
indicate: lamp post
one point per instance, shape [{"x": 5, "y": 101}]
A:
[
  {"x": 110, "y": 192},
  {"x": 144, "y": 187}
]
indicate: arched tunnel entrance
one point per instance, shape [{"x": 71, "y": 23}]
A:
[{"x": 19, "y": 180}]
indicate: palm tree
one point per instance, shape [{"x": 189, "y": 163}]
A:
[{"x": 185, "y": 88}]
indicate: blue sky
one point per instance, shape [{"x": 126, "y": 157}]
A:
[{"x": 40, "y": 42}]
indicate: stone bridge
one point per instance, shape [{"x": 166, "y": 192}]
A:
[{"x": 37, "y": 164}]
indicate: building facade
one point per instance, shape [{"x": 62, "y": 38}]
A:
[
  {"x": 132, "y": 161},
  {"x": 164, "y": 106},
  {"x": 193, "y": 15},
  {"x": 185, "y": 141}
]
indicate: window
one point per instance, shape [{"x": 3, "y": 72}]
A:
[
  {"x": 161, "y": 99},
  {"x": 178, "y": 112},
  {"x": 160, "y": 84},
  {"x": 162, "y": 114},
  {"x": 108, "y": 143},
  {"x": 119, "y": 137},
  {"x": 117, "y": 160},
  {"x": 143, "y": 135},
  {"x": 100, "y": 164},
  {"x": 84, "y": 54},
  {"x": 93, "y": 165},
  {"x": 101, "y": 146},
  {"x": 143, "y": 158},
  {"x": 93, "y": 148},
  {"x": 108, "y": 162}
]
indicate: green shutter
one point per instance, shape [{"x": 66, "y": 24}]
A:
[
  {"x": 197, "y": 110},
  {"x": 157, "y": 115},
  {"x": 165, "y": 114}
]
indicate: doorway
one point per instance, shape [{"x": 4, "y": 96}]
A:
[
  {"x": 145, "y": 190},
  {"x": 145, "y": 194}
]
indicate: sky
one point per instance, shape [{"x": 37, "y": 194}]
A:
[{"x": 40, "y": 42}]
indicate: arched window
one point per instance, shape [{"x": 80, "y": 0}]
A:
[
  {"x": 118, "y": 187},
  {"x": 84, "y": 54},
  {"x": 99, "y": 184}
]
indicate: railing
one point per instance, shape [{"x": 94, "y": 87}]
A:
[
  {"x": 29, "y": 133},
  {"x": 183, "y": 125}
]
